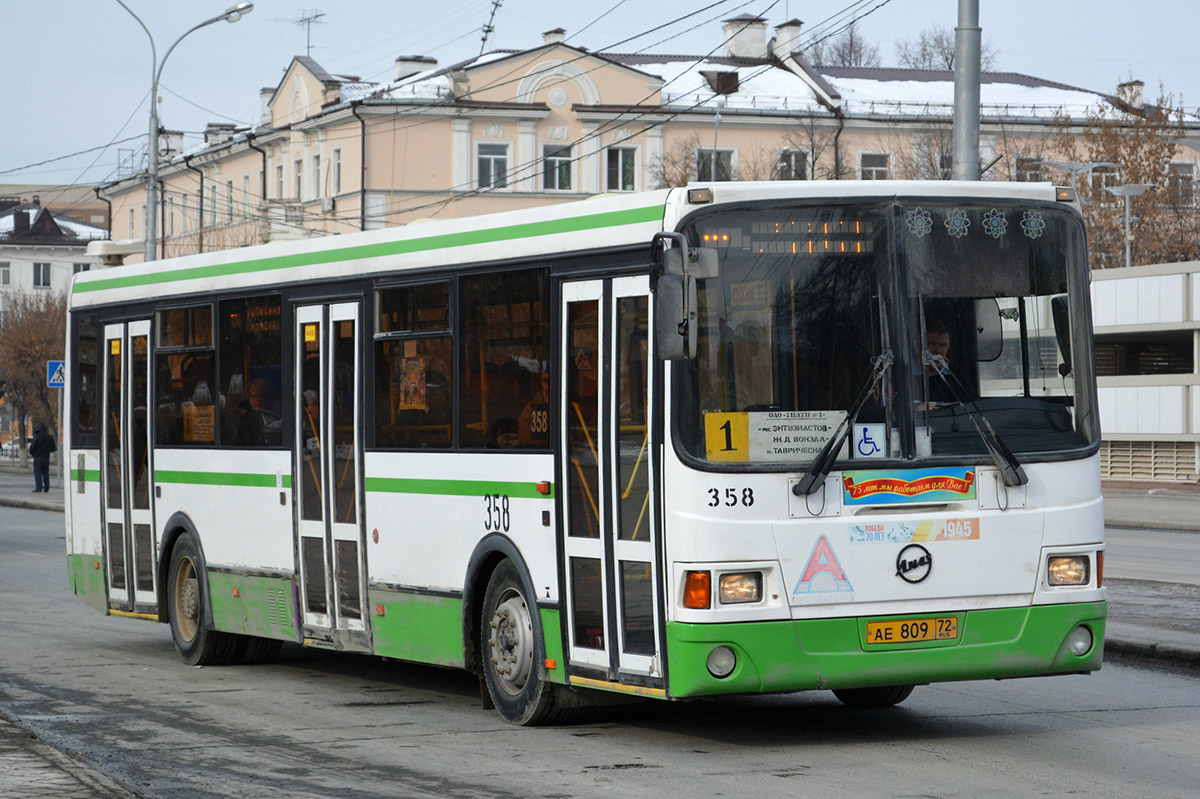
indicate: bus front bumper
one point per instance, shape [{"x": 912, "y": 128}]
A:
[{"x": 817, "y": 654}]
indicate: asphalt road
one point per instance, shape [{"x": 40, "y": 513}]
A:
[{"x": 112, "y": 692}]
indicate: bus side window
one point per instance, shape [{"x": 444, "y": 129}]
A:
[
  {"x": 186, "y": 395},
  {"x": 251, "y": 358},
  {"x": 413, "y": 381},
  {"x": 504, "y": 357}
]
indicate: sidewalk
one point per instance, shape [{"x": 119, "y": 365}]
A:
[{"x": 30, "y": 768}]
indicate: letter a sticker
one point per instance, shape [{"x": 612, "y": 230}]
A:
[{"x": 823, "y": 574}]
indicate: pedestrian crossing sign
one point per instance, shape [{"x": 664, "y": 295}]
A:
[{"x": 56, "y": 374}]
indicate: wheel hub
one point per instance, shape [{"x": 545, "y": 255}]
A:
[{"x": 510, "y": 644}]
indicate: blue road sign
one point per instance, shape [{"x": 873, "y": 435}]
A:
[{"x": 56, "y": 374}]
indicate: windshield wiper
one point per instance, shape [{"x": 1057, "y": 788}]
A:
[
  {"x": 815, "y": 476},
  {"x": 1002, "y": 456}
]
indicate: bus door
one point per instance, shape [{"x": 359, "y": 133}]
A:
[
  {"x": 329, "y": 538},
  {"x": 608, "y": 468},
  {"x": 129, "y": 540}
]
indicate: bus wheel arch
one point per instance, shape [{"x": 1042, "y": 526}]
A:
[{"x": 185, "y": 600}]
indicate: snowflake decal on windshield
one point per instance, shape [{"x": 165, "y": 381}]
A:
[
  {"x": 1033, "y": 224},
  {"x": 995, "y": 224},
  {"x": 919, "y": 222},
  {"x": 957, "y": 223}
]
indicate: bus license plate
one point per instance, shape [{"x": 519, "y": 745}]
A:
[{"x": 907, "y": 631}]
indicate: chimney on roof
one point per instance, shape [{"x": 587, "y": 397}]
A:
[
  {"x": 460, "y": 83},
  {"x": 264, "y": 106},
  {"x": 1131, "y": 93},
  {"x": 745, "y": 37},
  {"x": 409, "y": 65},
  {"x": 787, "y": 39},
  {"x": 20, "y": 222},
  {"x": 556, "y": 36},
  {"x": 170, "y": 143},
  {"x": 218, "y": 133}
]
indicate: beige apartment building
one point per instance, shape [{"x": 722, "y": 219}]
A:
[{"x": 513, "y": 129}]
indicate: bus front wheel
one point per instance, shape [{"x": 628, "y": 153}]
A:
[
  {"x": 884, "y": 696},
  {"x": 513, "y": 651},
  {"x": 195, "y": 640}
]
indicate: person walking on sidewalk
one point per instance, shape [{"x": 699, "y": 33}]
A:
[{"x": 43, "y": 444}]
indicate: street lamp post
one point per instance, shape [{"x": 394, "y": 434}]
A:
[
  {"x": 1129, "y": 191},
  {"x": 1076, "y": 167},
  {"x": 231, "y": 14}
]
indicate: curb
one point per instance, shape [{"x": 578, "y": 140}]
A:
[
  {"x": 30, "y": 504},
  {"x": 1158, "y": 525},
  {"x": 1158, "y": 654}
]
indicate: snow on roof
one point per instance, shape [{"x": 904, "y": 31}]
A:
[{"x": 81, "y": 231}]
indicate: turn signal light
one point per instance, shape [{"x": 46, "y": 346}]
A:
[
  {"x": 697, "y": 591},
  {"x": 1100, "y": 568}
]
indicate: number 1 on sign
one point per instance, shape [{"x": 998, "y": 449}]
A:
[{"x": 727, "y": 436}]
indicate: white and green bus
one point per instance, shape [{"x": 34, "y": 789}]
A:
[{"x": 728, "y": 438}]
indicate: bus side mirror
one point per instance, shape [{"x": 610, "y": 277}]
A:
[
  {"x": 701, "y": 262},
  {"x": 675, "y": 325}
]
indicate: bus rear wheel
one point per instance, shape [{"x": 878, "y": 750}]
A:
[
  {"x": 514, "y": 653},
  {"x": 884, "y": 696},
  {"x": 195, "y": 640}
]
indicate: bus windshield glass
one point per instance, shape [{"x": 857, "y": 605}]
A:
[{"x": 982, "y": 309}]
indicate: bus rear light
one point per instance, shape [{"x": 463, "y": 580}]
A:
[
  {"x": 1068, "y": 570},
  {"x": 740, "y": 588},
  {"x": 697, "y": 591}
]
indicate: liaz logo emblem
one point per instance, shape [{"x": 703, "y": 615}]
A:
[
  {"x": 914, "y": 563},
  {"x": 824, "y": 573}
]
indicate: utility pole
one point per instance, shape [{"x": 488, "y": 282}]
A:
[
  {"x": 967, "y": 42},
  {"x": 489, "y": 29}
]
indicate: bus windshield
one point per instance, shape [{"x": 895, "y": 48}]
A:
[{"x": 982, "y": 309}]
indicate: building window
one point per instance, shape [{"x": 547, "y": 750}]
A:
[
  {"x": 246, "y": 204},
  {"x": 316, "y": 177},
  {"x": 945, "y": 166},
  {"x": 298, "y": 178},
  {"x": 5, "y": 273},
  {"x": 279, "y": 181},
  {"x": 1101, "y": 178},
  {"x": 184, "y": 222},
  {"x": 725, "y": 168},
  {"x": 214, "y": 206},
  {"x": 873, "y": 166},
  {"x": 1182, "y": 184},
  {"x": 1029, "y": 169},
  {"x": 41, "y": 275},
  {"x": 556, "y": 167},
  {"x": 82, "y": 268},
  {"x": 337, "y": 170},
  {"x": 170, "y": 216},
  {"x": 229, "y": 202},
  {"x": 132, "y": 228},
  {"x": 622, "y": 163},
  {"x": 792, "y": 165},
  {"x": 492, "y": 166}
]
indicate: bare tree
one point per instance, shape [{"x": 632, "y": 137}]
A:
[
  {"x": 1142, "y": 141},
  {"x": 676, "y": 166},
  {"x": 933, "y": 48},
  {"x": 849, "y": 49},
  {"x": 816, "y": 137},
  {"x": 31, "y": 333}
]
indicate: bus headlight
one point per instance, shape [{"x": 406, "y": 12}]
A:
[
  {"x": 1068, "y": 570},
  {"x": 721, "y": 662},
  {"x": 740, "y": 588},
  {"x": 1080, "y": 641}
]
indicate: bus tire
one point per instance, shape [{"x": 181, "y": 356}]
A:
[
  {"x": 514, "y": 652},
  {"x": 883, "y": 696},
  {"x": 260, "y": 650},
  {"x": 195, "y": 640}
]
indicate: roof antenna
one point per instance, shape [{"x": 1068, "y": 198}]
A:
[
  {"x": 488, "y": 29},
  {"x": 306, "y": 20}
]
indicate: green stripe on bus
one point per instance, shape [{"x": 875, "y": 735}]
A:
[
  {"x": 221, "y": 478},
  {"x": 455, "y": 488},
  {"x": 89, "y": 475},
  {"x": 574, "y": 224}
]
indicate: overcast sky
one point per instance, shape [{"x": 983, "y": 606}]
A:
[{"x": 77, "y": 72}]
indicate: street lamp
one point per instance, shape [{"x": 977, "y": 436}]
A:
[
  {"x": 1074, "y": 168},
  {"x": 231, "y": 14},
  {"x": 1128, "y": 191}
]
